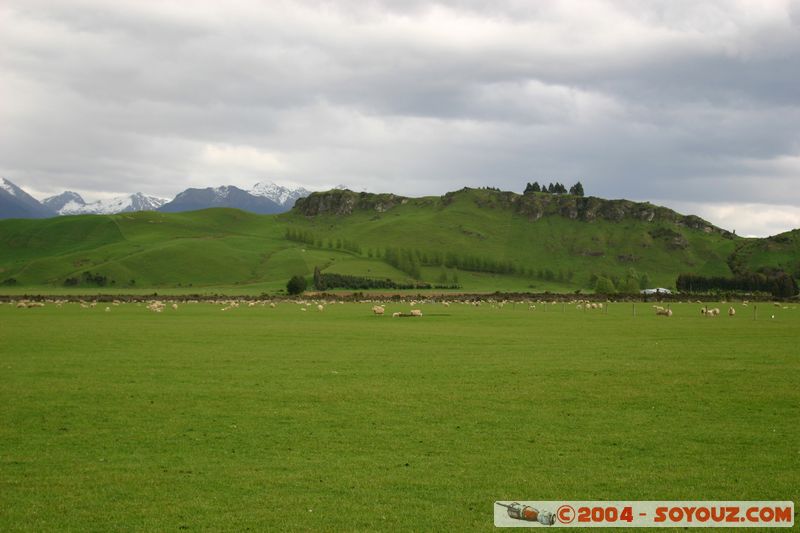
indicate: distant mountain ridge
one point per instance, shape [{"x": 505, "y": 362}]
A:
[
  {"x": 224, "y": 196},
  {"x": 262, "y": 198},
  {"x": 71, "y": 203},
  {"x": 282, "y": 196},
  {"x": 16, "y": 203}
]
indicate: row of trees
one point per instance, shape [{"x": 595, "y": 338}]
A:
[
  {"x": 328, "y": 281},
  {"x": 411, "y": 261},
  {"x": 631, "y": 283},
  {"x": 554, "y": 188},
  {"x": 778, "y": 283},
  {"x": 88, "y": 278},
  {"x": 307, "y": 237}
]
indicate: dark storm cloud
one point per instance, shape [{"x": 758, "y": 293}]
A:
[{"x": 684, "y": 102}]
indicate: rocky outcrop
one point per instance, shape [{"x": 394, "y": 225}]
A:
[
  {"x": 533, "y": 206},
  {"x": 345, "y": 202}
]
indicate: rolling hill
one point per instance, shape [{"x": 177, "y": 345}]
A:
[{"x": 477, "y": 239}]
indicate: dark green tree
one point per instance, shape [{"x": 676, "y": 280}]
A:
[
  {"x": 576, "y": 189},
  {"x": 296, "y": 285},
  {"x": 532, "y": 187}
]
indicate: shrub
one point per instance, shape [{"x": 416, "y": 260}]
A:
[{"x": 296, "y": 285}]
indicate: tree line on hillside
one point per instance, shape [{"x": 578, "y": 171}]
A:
[
  {"x": 631, "y": 283},
  {"x": 553, "y": 188},
  {"x": 324, "y": 281},
  {"x": 776, "y": 282},
  {"x": 308, "y": 237}
]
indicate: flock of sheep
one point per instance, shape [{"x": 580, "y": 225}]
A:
[{"x": 378, "y": 309}]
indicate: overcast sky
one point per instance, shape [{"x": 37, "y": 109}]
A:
[{"x": 694, "y": 105}]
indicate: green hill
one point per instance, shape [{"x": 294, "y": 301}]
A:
[{"x": 479, "y": 240}]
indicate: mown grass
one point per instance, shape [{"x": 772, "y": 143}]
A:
[{"x": 279, "y": 419}]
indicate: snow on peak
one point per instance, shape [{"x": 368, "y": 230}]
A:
[
  {"x": 9, "y": 187},
  {"x": 110, "y": 206},
  {"x": 222, "y": 192},
  {"x": 278, "y": 193},
  {"x": 60, "y": 201}
]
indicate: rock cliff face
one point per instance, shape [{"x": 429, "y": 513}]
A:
[
  {"x": 344, "y": 202},
  {"x": 533, "y": 206}
]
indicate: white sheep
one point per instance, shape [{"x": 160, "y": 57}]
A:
[
  {"x": 378, "y": 310},
  {"x": 416, "y": 312},
  {"x": 731, "y": 311}
]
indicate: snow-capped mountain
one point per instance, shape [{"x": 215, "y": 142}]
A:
[
  {"x": 122, "y": 204},
  {"x": 262, "y": 198},
  {"x": 73, "y": 204},
  {"x": 16, "y": 203},
  {"x": 283, "y": 196},
  {"x": 224, "y": 196},
  {"x": 68, "y": 200}
]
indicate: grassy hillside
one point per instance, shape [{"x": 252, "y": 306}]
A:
[{"x": 482, "y": 240}]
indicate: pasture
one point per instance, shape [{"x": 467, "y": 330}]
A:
[{"x": 281, "y": 419}]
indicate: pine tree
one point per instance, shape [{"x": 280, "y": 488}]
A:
[{"x": 576, "y": 189}]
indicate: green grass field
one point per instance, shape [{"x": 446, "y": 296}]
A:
[{"x": 279, "y": 419}]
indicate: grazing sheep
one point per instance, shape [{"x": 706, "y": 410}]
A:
[
  {"x": 397, "y": 314},
  {"x": 663, "y": 312},
  {"x": 302, "y": 308},
  {"x": 272, "y": 305},
  {"x": 378, "y": 310},
  {"x": 175, "y": 307},
  {"x": 320, "y": 307},
  {"x": 731, "y": 311},
  {"x": 416, "y": 312},
  {"x": 108, "y": 309}
]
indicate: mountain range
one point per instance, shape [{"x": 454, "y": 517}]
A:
[{"x": 262, "y": 198}]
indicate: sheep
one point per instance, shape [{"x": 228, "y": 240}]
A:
[
  {"x": 272, "y": 305},
  {"x": 320, "y": 307},
  {"x": 663, "y": 312},
  {"x": 174, "y": 307},
  {"x": 397, "y": 314},
  {"x": 108, "y": 309},
  {"x": 731, "y": 311},
  {"x": 378, "y": 310},
  {"x": 416, "y": 312}
]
